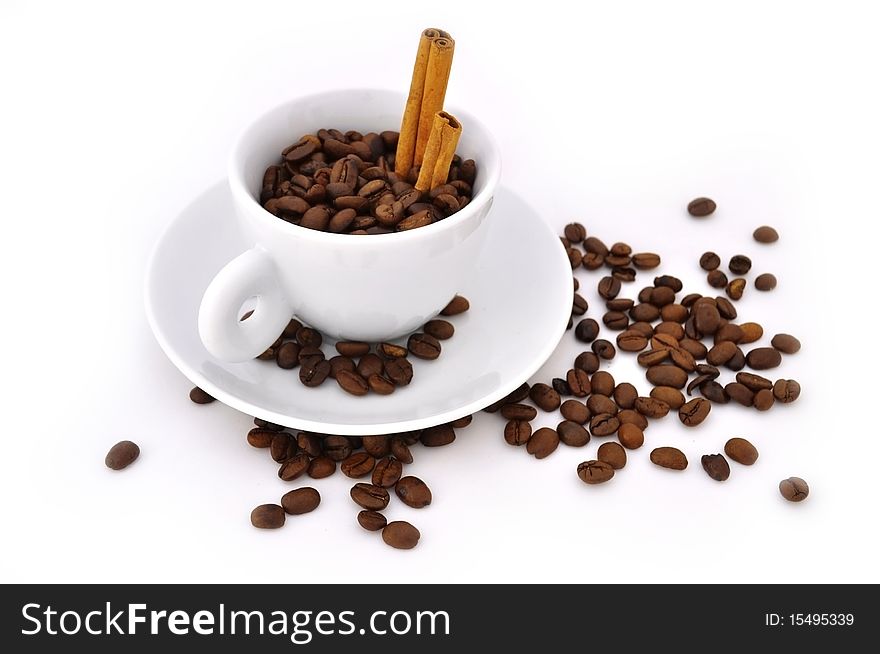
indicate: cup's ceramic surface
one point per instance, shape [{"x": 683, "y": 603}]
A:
[{"x": 367, "y": 288}]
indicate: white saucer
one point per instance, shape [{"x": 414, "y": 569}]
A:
[{"x": 520, "y": 295}]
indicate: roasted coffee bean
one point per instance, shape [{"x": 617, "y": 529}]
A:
[
  {"x": 593, "y": 244},
  {"x": 644, "y": 295},
  {"x": 667, "y": 375},
  {"x": 337, "y": 448},
  {"x": 735, "y": 288},
  {"x": 763, "y": 358},
  {"x": 575, "y": 232},
  {"x": 439, "y": 329},
  {"x": 423, "y": 346},
  {"x": 313, "y": 371},
  {"x": 413, "y": 492},
  {"x": 543, "y": 443},
  {"x": 604, "y": 424},
  {"x": 701, "y": 207},
  {"x": 199, "y": 396},
  {"x": 592, "y": 261},
  {"x": 579, "y": 305},
  {"x": 683, "y": 359},
  {"x": 721, "y": 353},
  {"x": 339, "y": 363},
  {"x": 517, "y": 432},
  {"x": 644, "y": 313},
  {"x": 545, "y": 397},
  {"x": 631, "y": 436},
  {"x": 601, "y": 404},
  {"x": 287, "y": 356},
  {"x": 321, "y": 467},
  {"x": 371, "y": 520},
  {"x": 603, "y": 349},
  {"x": 602, "y": 383},
  {"x": 786, "y": 390},
  {"x": 421, "y": 219},
  {"x": 661, "y": 296},
  {"x": 612, "y": 454},
  {"x": 765, "y": 282},
  {"x": 357, "y": 465},
  {"x": 575, "y": 258},
  {"x": 399, "y": 371},
  {"x": 391, "y": 350},
  {"x": 268, "y": 516},
  {"x": 729, "y": 332},
  {"x": 709, "y": 370},
  {"x": 309, "y": 351},
  {"x": 710, "y": 261},
  {"x": 294, "y": 467},
  {"x": 609, "y": 287},
  {"x": 645, "y": 260},
  {"x": 632, "y": 417},
  {"x": 737, "y": 361},
  {"x": 370, "y": 364},
  {"x": 619, "y": 304},
  {"x": 672, "y": 397},
  {"x": 615, "y": 320},
  {"x": 652, "y": 357},
  {"x": 698, "y": 382},
  {"x": 457, "y": 305},
  {"x": 695, "y": 348},
  {"x": 376, "y": 446},
  {"x": 370, "y": 496},
  {"x": 625, "y": 395},
  {"x": 519, "y": 412},
  {"x": 572, "y": 434},
  {"x": 717, "y": 279},
  {"x": 595, "y": 472},
  {"x": 260, "y": 437},
  {"x": 518, "y": 394},
  {"x": 575, "y": 411},
  {"x": 586, "y": 330},
  {"x": 786, "y": 343},
  {"x": 352, "y": 382},
  {"x": 764, "y": 400},
  {"x": 716, "y": 466},
  {"x": 725, "y": 308},
  {"x": 291, "y": 329},
  {"x": 739, "y": 264},
  {"x": 623, "y": 274},
  {"x": 309, "y": 443},
  {"x": 765, "y": 234},
  {"x": 437, "y": 436},
  {"x": 669, "y": 457},
  {"x": 352, "y": 348},
  {"x": 587, "y": 361},
  {"x": 300, "y": 501},
  {"x": 669, "y": 282},
  {"x": 674, "y": 313},
  {"x": 741, "y": 451},
  {"x": 316, "y": 218},
  {"x": 706, "y": 317},
  {"x": 387, "y": 472},
  {"x": 578, "y": 382},
  {"x": 620, "y": 249},
  {"x": 751, "y": 332},
  {"x": 122, "y": 455},
  {"x": 400, "y": 450},
  {"x": 693, "y": 412},
  {"x": 560, "y": 386},
  {"x": 306, "y": 336},
  {"x": 714, "y": 392},
  {"x": 462, "y": 422},
  {"x": 794, "y": 489},
  {"x": 651, "y": 407},
  {"x": 740, "y": 393},
  {"x": 401, "y": 535},
  {"x": 282, "y": 447}
]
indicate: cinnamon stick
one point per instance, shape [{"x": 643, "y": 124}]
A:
[
  {"x": 439, "y": 151},
  {"x": 436, "y": 80},
  {"x": 409, "y": 127}
]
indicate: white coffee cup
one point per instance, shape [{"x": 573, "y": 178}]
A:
[{"x": 366, "y": 288}]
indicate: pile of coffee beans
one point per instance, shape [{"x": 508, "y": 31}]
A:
[
  {"x": 684, "y": 342},
  {"x": 380, "y": 459},
  {"x": 359, "y": 368},
  {"x": 345, "y": 183}
]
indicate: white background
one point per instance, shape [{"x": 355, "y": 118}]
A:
[{"x": 114, "y": 116}]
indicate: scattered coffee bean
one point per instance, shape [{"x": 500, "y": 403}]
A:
[
  {"x": 575, "y": 232},
  {"x": 545, "y": 397},
  {"x": 763, "y": 358},
  {"x": 199, "y": 396},
  {"x": 579, "y": 305},
  {"x": 604, "y": 424},
  {"x": 716, "y": 466},
  {"x": 337, "y": 448},
  {"x": 424, "y": 346},
  {"x": 603, "y": 383},
  {"x": 667, "y": 375},
  {"x": 625, "y": 395},
  {"x": 517, "y": 432},
  {"x": 543, "y": 443},
  {"x": 709, "y": 261},
  {"x": 456, "y": 305},
  {"x": 603, "y": 349},
  {"x": 741, "y": 451},
  {"x": 301, "y": 500},
  {"x": 739, "y": 264},
  {"x": 740, "y": 393},
  {"x": 294, "y": 467},
  {"x": 519, "y": 412},
  {"x": 321, "y": 467},
  {"x": 669, "y": 457},
  {"x": 786, "y": 390},
  {"x": 401, "y": 535},
  {"x": 612, "y": 454},
  {"x": 764, "y": 400},
  {"x": 439, "y": 329},
  {"x": 714, "y": 392},
  {"x": 352, "y": 348},
  {"x": 645, "y": 260},
  {"x": 268, "y": 516},
  {"x": 122, "y": 455},
  {"x": 352, "y": 382},
  {"x": 370, "y": 496},
  {"x": 651, "y": 407},
  {"x": 794, "y": 489},
  {"x": 387, "y": 472},
  {"x": 751, "y": 332},
  {"x": 716, "y": 279},
  {"x": 391, "y": 351},
  {"x": 630, "y": 436},
  {"x": 413, "y": 492},
  {"x": 694, "y": 412},
  {"x": 575, "y": 411},
  {"x": 672, "y": 397},
  {"x": 632, "y": 417},
  {"x": 578, "y": 382},
  {"x": 587, "y": 361},
  {"x": 766, "y": 234},
  {"x": 701, "y": 207},
  {"x": 357, "y": 465},
  {"x": 560, "y": 386},
  {"x": 595, "y": 472},
  {"x": 736, "y": 288},
  {"x": 572, "y": 433},
  {"x": 587, "y": 330},
  {"x": 786, "y": 343},
  {"x": 400, "y": 450},
  {"x": 437, "y": 436},
  {"x": 371, "y": 520}
]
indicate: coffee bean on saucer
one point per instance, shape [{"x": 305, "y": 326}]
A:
[
  {"x": 308, "y": 336},
  {"x": 765, "y": 234},
  {"x": 370, "y": 364},
  {"x": 794, "y": 489},
  {"x": 669, "y": 457},
  {"x": 595, "y": 472},
  {"x": 710, "y": 261},
  {"x": 338, "y": 364},
  {"x": 268, "y": 516},
  {"x": 380, "y": 385},
  {"x": 352, "y": 349},
  {"x": 701, "y": 207},
  {"x": 122, "y": 455},
  {"x": 371, "y": 520},
  {"x": 391, "y": 351},
  {"x": 741, "y": 451},
  {"x": 400, "y": 535},
  {"x": 370, "y": 496},
  {"x": 765, "y": 282},
  {"x": 439, "y": 329},
  {"x": 545, "y": 397},
  {"x": 456, "y": 305},
  {"x": 399, "y": 371},
  {"x": 413, "y": 492},
  {"x": 716, "y": 466},
  {"x": 287, "y": 356},
  {"x": 199, "y": 396},
  {"x": 423, "y": 346},
  {"x": 300, "y": 501},
  {"x": 313, "y": 371}
]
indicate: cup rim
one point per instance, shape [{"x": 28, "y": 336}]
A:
[{"x": 483, "y": 196}]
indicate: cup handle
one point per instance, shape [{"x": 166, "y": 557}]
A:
[{"x": 221, "y": 329}]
